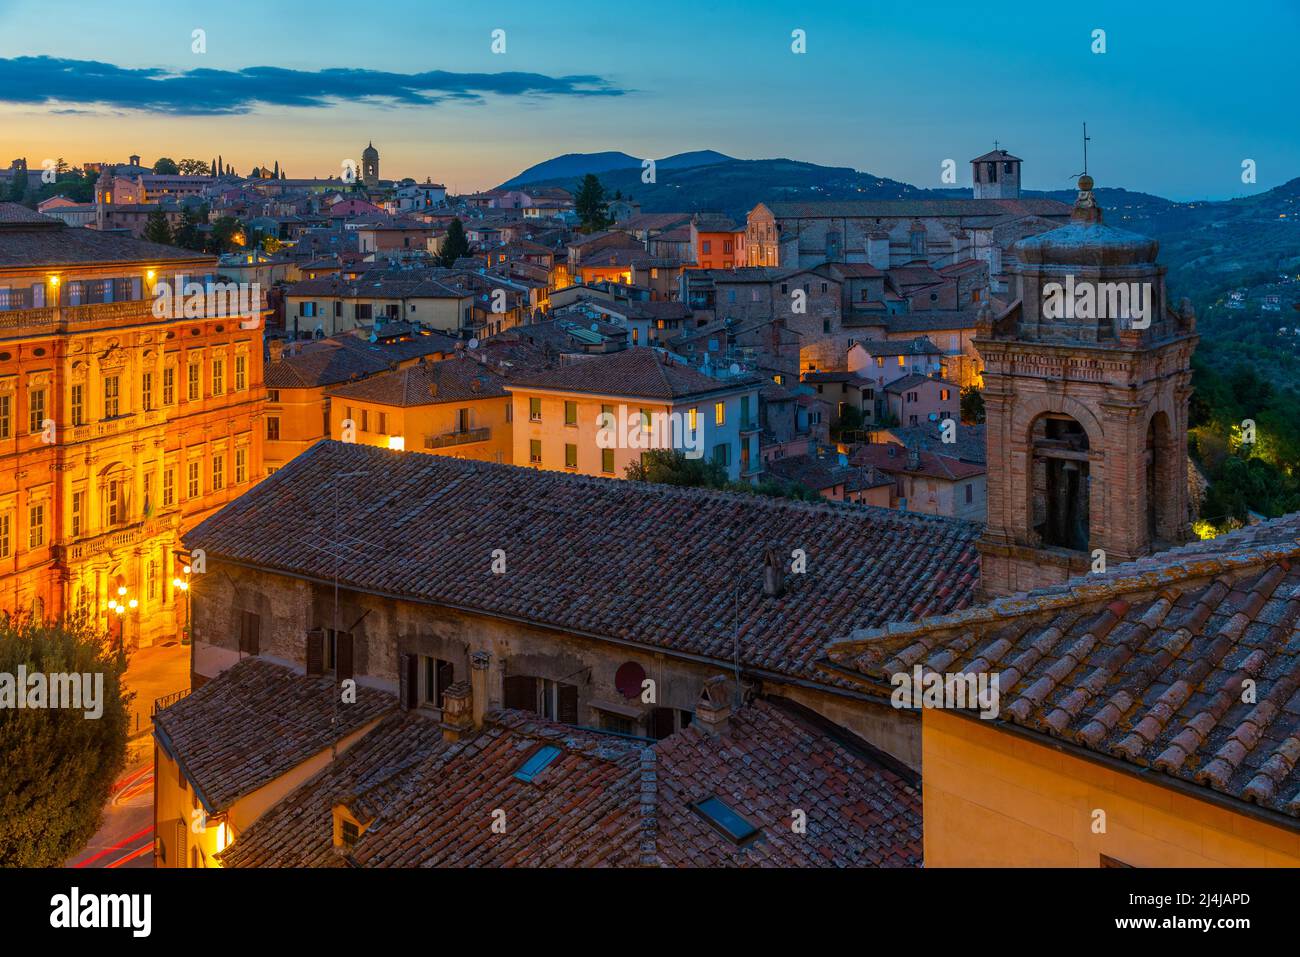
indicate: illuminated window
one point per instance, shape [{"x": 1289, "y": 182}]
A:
[
  {"x": 692, "y": 418},
  {"x": 241, "y": 373},
  {"x": 5, "y": 523},
  {"x": 112, "y": 389},
  {"x": 169, "y": 386},
  {"x": 36, "y": 526},
  {"x": 169, "y": 488},
  {"x": 943, "y": 395},
  {"x": 719, "y": 413},
  {"x": 902, "y": 362},
  {"x": 36, "y": 410},
  {"x": 646, "y": 421},
  {"x": 78, "y": 405},
  {"x": 880, "y": 362},
  {"x": 146, "y": 391},
  {"x": 218, "y": 376},
  {"x": 273, "y": 428},
  {"x": 78, "y": 500},
  {"x": 6, "y": 410},
  {"x": 193, "y": 382},
  {"x": 192, "y": 479}
]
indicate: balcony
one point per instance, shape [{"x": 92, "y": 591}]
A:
[{"x": 448, "y": 439}]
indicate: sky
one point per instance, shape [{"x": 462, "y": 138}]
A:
[{"x": 1181, "y": 96}]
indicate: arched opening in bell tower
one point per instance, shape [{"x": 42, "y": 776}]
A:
[
  {"x": 1060, "y": 482},
  {"x": 1161, "y": 474}
]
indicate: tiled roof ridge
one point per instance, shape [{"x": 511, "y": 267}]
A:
[{"x": 1068, "y": 596}]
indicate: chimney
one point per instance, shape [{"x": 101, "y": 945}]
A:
[
  {"x": 479, "y": 662},
  {"x": 713, "y": 712},
  {"x": 276, "y": 348},
  {"x": 458, "y": 708},
  {"x": 773, "y": 574}
]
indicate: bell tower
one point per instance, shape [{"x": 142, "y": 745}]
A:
[
  {"x": 370, "y": 166},
  {"x": 1087, "y": 378}
]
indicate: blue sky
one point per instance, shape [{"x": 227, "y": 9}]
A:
[{"x": 1180, "y": 97}]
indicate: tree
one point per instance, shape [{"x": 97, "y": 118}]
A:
[
  {"x": 60, "y": 763},
  {"x": 17, "y": 187},
  {"x": 157, "y": 229},
  {"x": 193, "y": 167},
  {"x": 591, "y": 204},
  {"x": 165, "y": 166},
  {"x": 672, "y": 467},
  {"x": 972, "y": 405},
  {"x": 227, "y": 235},
  {"x": 454, "y": 245},
  {"x": 187, "y": 234}
]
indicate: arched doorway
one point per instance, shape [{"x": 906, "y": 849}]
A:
[
  {"x": 1161, "y": 476},
  {"x": 1060, "y": 495}
]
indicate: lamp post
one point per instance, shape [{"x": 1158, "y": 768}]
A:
[
  {"x": 120, "y": 606},
  {"x": 184, "y": 585}
]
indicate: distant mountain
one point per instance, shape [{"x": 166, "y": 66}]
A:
[{"x": 572, "y": 166}]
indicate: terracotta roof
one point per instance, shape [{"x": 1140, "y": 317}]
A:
[
  {"x": 30, "y": 239},
  {"x": 910, "y": 208},
  {"x": 326, "y": 362},
  {"x": 259, "y": 721},
  {"x": 605, "y": 800},
  {"x": 1145, "y": 664},
  {"x": 867, "y": 565},
  {"x": 920, "y": 346},
  {"x": 638, "y": 372},
  {"x": 929, "y": 464},
  {"x": 915, "y": 379},
  {"x": 427, "y": 383},
  {"x": 820, "y": 474},
  {"x": 969, "y": 445}
]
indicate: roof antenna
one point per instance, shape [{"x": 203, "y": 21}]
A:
[{"x": 1086, "y": 138}]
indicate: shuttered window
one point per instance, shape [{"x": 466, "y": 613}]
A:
[
  {"x": 521, "y": 692},
  {"x": 250, "y": 633}
]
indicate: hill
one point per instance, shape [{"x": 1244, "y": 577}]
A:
[{"x": 571, "y": 166}]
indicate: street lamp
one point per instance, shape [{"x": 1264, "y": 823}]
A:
[
  {"x": 120, "y": 606},
  {"x": 184, "y": 585}
]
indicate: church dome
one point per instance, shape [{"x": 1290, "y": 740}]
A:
[
  {"x": 1087, "y": 241},
  {"x": 369, "y": 152}
]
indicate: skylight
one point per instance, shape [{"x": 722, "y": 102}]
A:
[
  {"x": 726, "y": 820},
  {"x": 534, "y": 766}
]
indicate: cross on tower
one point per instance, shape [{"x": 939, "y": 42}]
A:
[{"x": 1086, "y": 137}]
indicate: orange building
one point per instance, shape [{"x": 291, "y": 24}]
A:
[
  {"x": 119, "y": 430},
  {"x": 717, "y": 242}
]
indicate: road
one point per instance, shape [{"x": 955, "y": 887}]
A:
[{"x": 125, "y": 838}]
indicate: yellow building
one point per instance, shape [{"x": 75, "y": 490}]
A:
[
  {"x": 455, "y": 407},
  {"x": 288, "y": 727},
  {"x": 119, "y": 430},
  {"x": 1139, "y": 718},
  {"x": 299, "y": 374},
  {"x": 330, "y": 305},
  {"x": 558, "y": 413}
]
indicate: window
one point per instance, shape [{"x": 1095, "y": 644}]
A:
[
  {"x": 943, "y": 395},
  {"x": 169, "y": 488},
  {"x": 5, "y": 522},
  {"x": 193, "y": 382},
  {"x": 726, "y": 820},
  {"x": 272, "y": 395},
  {"x": 616, "y": 723},
  {"x": 273, "y": 428},
  {"x": 218, "y": 376},
  {"x": 970, "y": 493},
  {"x": 570, "y": 456},
  {"x": 534, "y": 409},
  {"x": 880, "y": 362},
  {"x": 365, "y": 420},
  {"x": 241, "y": 466},
  {"x": 36, "y": 526},
  {"x": 115, "y": 509},
  {"x": 535, "y": 451},
  {"x": 349, "y": 833},
  {"x": 36, "y": 410},
  {"x": 146, "y": 392},
  {"x": 6, "y": 410},
  {"x": 719, "y": 413},
  {"x": 570, "y": 412},
  {"x": 250, "y": 633},
  {"x": 692, "y": 418},
  {"x": 192, "y": 479},
  {"x": 607, "y": 461},
  {"x": 112, "y": 386},
  {"x": 241, "y": 374},
  {"x": 78, "y": 510},
  {"x": 169, "y": 386},
  {"x": 436, "y": 676},
  {"x": 78, "y": 404},
  {"x": 218, "y": 472},
  {"x": 722, "y": 454},
  {"x": 647, "y": 420},
  {"x": 537, "y": 763}
]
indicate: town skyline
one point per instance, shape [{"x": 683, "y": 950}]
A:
[{"x": 444, "y": 105}]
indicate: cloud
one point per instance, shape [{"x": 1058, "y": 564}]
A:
[{"x": 44, "y": 80}]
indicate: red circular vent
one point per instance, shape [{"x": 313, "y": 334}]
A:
[{"x": 628, "y": 679}]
